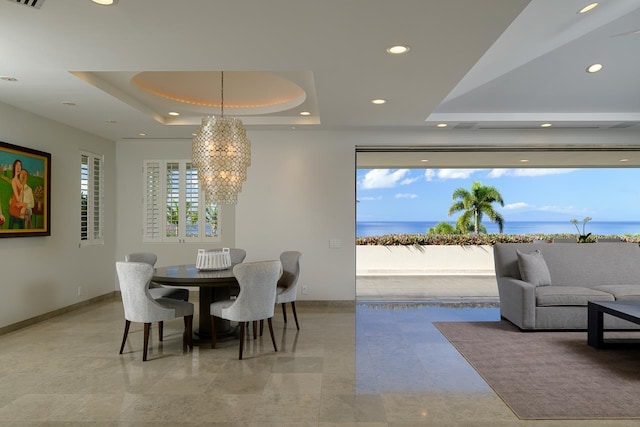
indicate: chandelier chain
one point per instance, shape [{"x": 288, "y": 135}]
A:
[{"x": 222, "y": 94}]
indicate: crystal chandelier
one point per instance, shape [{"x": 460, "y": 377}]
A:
[{"x": 221, "y": 155}]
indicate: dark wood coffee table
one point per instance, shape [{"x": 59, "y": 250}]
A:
[{"x": 627, "y": 310}]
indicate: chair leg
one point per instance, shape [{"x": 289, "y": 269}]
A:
[
  {"x": 284, "y": 312},
  {"x": 295, "y": 315},
  {"x": 242, "y": 326},
  {"x": 273, "y": 337},
  {"x": 160, "y": 330},
  {"x": 188, "y": 326},
  {"x": 126, "y": 332},
  {"x": 255, "y": 329},
  {"x": 147, "y": 327},
  {"x": 213, "y": 331},
  {"x": 261, "y": 326}
]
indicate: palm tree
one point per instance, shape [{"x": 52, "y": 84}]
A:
[{"x": 475, "y": 204}]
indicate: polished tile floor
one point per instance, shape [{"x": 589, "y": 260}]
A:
[{"x": 382, "y": 364}]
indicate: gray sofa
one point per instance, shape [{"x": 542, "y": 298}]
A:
[{"x": 552, "y": 291}]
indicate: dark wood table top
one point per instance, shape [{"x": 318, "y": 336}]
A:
[{"x": 189, "y": 275}]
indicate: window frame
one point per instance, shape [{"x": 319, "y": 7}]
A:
[
  {"x": 91, "y": 216},
  {"x": 155, "y": 198}
]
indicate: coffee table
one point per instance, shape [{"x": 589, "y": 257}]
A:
[{"x": 627, "y": 310}]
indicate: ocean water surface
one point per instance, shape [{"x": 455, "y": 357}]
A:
[{"x": 378, "y": 228}]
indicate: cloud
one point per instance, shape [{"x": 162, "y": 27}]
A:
[
  {"x": 429, "y": 174},
  {"x": 455, "y": 173},
  {"x": 408, "y": 181},
  {"x": 369, "y": 199},
  {"x": 406, "y": 196},
  {"x": 557, "y": 209},
  {"x": 518, "y": 205},
  {"x": 382, "y": 178},
  {"x": 497, "y": 173}
]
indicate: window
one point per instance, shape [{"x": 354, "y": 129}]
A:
[
  {"x": 91, "y": 196},
  {"x": 174, "y": 208}
]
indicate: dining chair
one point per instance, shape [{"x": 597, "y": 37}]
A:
[
  {"x": 287, "y": 289},
  {"x": 140, "y": 306},
  {"x": 256, "y": 300},
  {"x": 156, "y": 290},
  {"x": 237, "y": 255}
]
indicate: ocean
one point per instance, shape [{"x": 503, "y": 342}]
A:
[{"x": 378, "y": 228}]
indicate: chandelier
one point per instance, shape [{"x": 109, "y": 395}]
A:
[{"x": 221, "y": 155}]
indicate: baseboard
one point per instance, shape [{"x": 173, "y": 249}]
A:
[{"x": 37, "y": 319}]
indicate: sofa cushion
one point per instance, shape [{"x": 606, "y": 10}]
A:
[
  {"x": 533, "y": 268},
  {"x": 621, "y": 292},
  {"x": 569, "y": 295}
]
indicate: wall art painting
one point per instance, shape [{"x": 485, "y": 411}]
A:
[{"x": 25, "y": 192}]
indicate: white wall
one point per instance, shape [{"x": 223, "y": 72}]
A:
[
  {"x": 42, "y": 274},
  {"x": 299, "y": 195}
]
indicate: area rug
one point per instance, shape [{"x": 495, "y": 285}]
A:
[{"x": 551, "y": 375}]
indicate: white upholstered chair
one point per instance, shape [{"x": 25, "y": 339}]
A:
[
  {"x": 156, "y": 290},
  {"x": 287, "y": 290},
  {"x": 256, "y": 300},
  {"x": 140, "y": 307},
  {"x": 237, "y": 255}
]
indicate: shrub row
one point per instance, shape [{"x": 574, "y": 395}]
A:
[{"x": 474, "y": 239}]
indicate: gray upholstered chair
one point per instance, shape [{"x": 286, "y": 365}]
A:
[
  {"x": 256, "y": 301},
  {"x": 139, "y": 306},
  {"x": 287, "y": 290},
  {"x": 156, "y": 290},
  {"x": 237, "y": 255}
]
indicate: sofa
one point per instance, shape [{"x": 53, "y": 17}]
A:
[{"x": 546, "y": 286}]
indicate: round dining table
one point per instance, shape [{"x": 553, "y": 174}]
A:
[{"x": 215, "y": 285}]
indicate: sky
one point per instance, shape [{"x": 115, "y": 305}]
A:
[{"x": 604, "y": 194}]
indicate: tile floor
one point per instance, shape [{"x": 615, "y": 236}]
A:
[{"x": 382, "y": 364}]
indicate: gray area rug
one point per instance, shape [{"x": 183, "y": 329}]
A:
[{"x": 551, "y": 375}]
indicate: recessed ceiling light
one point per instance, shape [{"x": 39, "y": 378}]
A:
[
  {"x": 174, "y": 113},
  {"x": 545, "y": 125},
  {"x": 378, "y": 101},
  {"x": 104, "y": 2},
  {"x": 594, "y": 68},
  {"x": 68, "y": 103},
  {"x": 424, "y": 160},
  {"x": 441, "y": 125},
  {"x": 588, "y": 7},
  {"x": 8, "y": 79},
  {"x": 194, "y": 134},
  {"x": 142, "y": 134},
  {"x": 398, "y": 50},
  {"x": 624, "y": 160},
  {"x": 305, "y": 113},
  {"x": 524, "y": 160}
]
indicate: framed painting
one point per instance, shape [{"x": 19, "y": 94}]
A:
[{"x": 25, "y": 192}]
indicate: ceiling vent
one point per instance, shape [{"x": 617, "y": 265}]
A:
[{"x": 36, "y": 4}]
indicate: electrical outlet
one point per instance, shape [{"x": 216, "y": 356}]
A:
[
  {"x": 79, "y": 291},
  {"x": 305, "y": 290}
]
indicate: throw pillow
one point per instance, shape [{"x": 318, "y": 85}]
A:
[{"x": 533, "y": 268}]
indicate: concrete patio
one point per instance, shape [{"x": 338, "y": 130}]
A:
[{"x": 426, "y": 287}]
